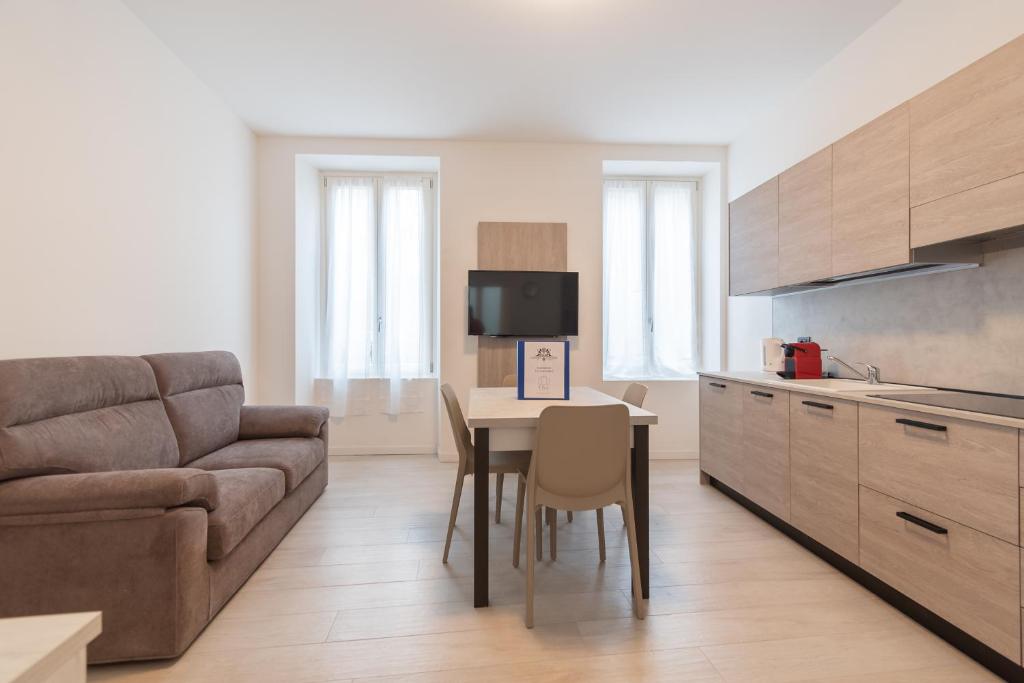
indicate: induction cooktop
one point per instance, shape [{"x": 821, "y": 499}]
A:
[{"x": 990, "y": 404}]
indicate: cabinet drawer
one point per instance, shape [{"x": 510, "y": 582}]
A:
[
  {"x": 963, "y": 575},
  {"x": 823, "y": 471},
  {"x": 721, "y": 413},
  {"x": 964, "y": 471},
  {"x": 765, "y": 448}
]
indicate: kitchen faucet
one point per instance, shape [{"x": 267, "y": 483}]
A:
[{"x": 872, "y": 371}]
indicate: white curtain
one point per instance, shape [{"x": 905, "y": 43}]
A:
[
  {"x": 650, "y": 279},
  {"x": 377, "y": 295},
  {"x": 625, "y": 316}
]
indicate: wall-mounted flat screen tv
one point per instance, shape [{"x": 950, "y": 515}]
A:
[{"x": 523, "y": 303}]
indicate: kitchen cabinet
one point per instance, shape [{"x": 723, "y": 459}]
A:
[
  {"x": 870, "y": 195},
  {"x": 966, "y": 142},
  {"x": 823, "y": 471},
  {"x": 965, "y": 471},
  {"x": 765, "y": 442},
  {"x": 721, "y": 414},
  {"x": 754, "y": 240},
  {"x": 966, "y": 577},
  {"x": 805, "y": 220}
]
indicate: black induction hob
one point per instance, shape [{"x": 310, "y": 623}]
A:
[{"x": 990, "y": 404}]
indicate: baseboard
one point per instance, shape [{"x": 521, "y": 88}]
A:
[
  {"x": 672, "y": 455},
  {"x": 961, "y": 640},
  {"x": 380, "y": 450}
]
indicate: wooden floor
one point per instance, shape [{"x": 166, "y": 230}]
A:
[{"x": 358, "y": 591}]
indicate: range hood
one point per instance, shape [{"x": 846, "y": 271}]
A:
[{"x": 936, "y": 258}]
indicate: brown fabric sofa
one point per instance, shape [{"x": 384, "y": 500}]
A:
[{"x": 144, "y": 488}]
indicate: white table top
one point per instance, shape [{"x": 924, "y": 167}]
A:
[
  {"x": 32, "y": 648},
  {"x": 498, "y": 407}
]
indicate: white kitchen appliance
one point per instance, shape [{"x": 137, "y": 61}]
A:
[{"x": 773, "y": 355}]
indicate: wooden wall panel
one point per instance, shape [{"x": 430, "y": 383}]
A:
[{"x": 514, "y": 246}]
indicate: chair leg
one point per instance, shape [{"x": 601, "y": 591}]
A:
[
  {"x": 456, "y": 499},
  {"x": 568, "y": 515},
  {"x": 634, "y": 560},
  {"x": 622, "y": 509},
  {"x": 539, "y": 535},
  {"x": 498, "y": 487},
  {"x": 600, "y": 533},
  {"x": 553, "y": 532},
  {"x": 531, "y": 543},
  {"x": 517, "y": 535}
]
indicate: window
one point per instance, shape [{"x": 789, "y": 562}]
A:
[
  {"x": 378, "y": 277},
  {"x": 650, "y": 279}
]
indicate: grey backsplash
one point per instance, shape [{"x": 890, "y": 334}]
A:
[{"x": 962, "y": 329}]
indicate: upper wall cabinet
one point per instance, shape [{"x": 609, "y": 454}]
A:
[
  {"x": 805, "y": 220},
  {"x": 967, "y": 150},
  {"x": 754, "y": 240},
  {"x": 870, "y": 208}
]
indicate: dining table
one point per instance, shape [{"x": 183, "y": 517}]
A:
[{"x": 502, "y": 422}]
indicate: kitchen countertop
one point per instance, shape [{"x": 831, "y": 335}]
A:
[{"x": 767, "y": 379}]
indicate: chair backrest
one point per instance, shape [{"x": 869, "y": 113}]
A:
[
  {"x": 635, "y": 394},
  {"x": 203, "y": 394},
  {"x": 463, "y": 439},
  {"x": 510, "y": 381},
  {"x": 581, "y": 452},
  {"x": 81, "y": 414}
]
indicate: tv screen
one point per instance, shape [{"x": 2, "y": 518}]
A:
[{"x": 523, "y": 303}]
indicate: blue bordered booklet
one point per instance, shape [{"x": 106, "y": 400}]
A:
[{"x": 543, "y": 369}]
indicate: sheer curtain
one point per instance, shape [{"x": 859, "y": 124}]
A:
[
  {"x": 651, "y": 273},
  {"x": 377, "y": 294},
  {"x": 625, "y": 315}
]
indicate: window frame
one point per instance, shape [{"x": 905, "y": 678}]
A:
[
  {"x": 432, "y": 221},
  {"x": 648, "y": 275}
]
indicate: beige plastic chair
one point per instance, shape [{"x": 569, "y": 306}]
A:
[
  {"x": 513, "y": 381},
  {"x": 635, "y": 394},
  {"x": 501, "y": 462},
  {"x": 581, "y": 462}
]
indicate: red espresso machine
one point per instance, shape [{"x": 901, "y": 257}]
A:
[{"x": 802, "y": 360}]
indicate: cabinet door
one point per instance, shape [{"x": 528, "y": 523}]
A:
[
  {"x": 766, "y": 449},
  {"x": 754, "y": 240},
  {"x": 968, "y": 130},
  {"x": 870, "y": 196},
  {"x": 823, "y": 471},
  {"x": 721, "y": 411},
  {"x": 805, "y": 220}
]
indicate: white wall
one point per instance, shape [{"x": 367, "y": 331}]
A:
[
  {"x": 126, "y": 192},
  {"x": 479, "y": 182},
  {"x": 917, "y": 44}
]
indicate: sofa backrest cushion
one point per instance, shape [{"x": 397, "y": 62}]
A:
[
  {"x": 81, "y": 414},
  {"x": 203, "y": 396}
]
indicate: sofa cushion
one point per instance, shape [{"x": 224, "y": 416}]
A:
[
  {"x": 81, "y": 414},
  {"x": 245, "y": 496},
  {"x": 294, "y": 457},
  {"x": 203, "y": 395}
]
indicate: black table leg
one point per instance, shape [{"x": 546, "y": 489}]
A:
[
  {"x": 641, "y": 503},
  {"x": 481, "y": 468}
]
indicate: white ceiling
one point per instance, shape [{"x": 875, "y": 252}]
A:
[{"x": 664, "y": 71}]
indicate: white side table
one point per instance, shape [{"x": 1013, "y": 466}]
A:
[{"x": 48, "y": 648}]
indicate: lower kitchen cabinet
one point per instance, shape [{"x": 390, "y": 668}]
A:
[
  {"x": 765, "y": 473},
  {"x": 721, "y": 414},
  {"x": 967, "y": 577},
  {"x": 823, "y": 471}
]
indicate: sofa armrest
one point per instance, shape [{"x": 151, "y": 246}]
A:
[
  {"x": 120, "y": 490},
  {"x": 268, "y": 422}
]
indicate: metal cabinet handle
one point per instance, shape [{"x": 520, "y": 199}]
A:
[
  {"x": 763, "y": 394},
  {"x": 815, "y": 404},
  {"x": 923, "y": 523},
  {"x": 921, "y": 425},
  {"x": 717, "y": 385}
]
